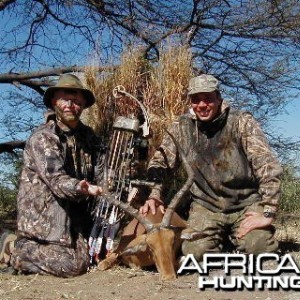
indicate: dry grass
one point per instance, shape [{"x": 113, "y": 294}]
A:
[
  {"x": 160, "y": 86},
  {"x": 101, "y": 85},
  {"x": 131, "y": 73},
  {"x": 166, "y": 96}
]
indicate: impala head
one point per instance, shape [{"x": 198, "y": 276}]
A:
[{"x": 162, "y": 244}]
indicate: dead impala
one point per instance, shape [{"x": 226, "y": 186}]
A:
[{"x": 154, "y": 239}]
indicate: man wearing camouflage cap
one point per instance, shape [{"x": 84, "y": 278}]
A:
[
  {"x": 56, "y": 193},
  {"x": 236, "y": 189}
]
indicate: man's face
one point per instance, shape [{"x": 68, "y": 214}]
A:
[
  {"x": 206, "y": 105},
  {"x": 68, "y": 105}
]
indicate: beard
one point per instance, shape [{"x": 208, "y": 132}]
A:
[{"x": 65, "y": 117}]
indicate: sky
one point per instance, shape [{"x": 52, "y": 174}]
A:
[{"x": 289, "y": 124}]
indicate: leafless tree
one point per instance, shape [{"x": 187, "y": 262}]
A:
[{"x": 252, "y": 46}]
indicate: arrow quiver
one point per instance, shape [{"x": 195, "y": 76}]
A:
[{"x": 127, "y": 135}]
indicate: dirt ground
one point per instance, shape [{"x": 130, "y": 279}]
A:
[{"x": 124, "y": 283}]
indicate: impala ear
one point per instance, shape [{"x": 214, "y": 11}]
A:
[
  {"x": 191, "y": 234},
  {"x": 140, "y": 245}
]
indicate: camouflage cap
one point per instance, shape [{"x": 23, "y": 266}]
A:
[
  {"x": 203, "y": 84},
  {"x": 69, "y": 81}
]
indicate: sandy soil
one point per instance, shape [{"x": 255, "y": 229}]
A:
[{"x": 124, "y": 283}]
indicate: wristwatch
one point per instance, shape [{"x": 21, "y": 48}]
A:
[{"x": 269, "y": 214}]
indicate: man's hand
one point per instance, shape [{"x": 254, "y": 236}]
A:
[
  {"x": 152, "y": 204},
  {"x": 89, "y": 189},
  {"x": 253, "y": 221}
]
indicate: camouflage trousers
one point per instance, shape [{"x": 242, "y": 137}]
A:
[
  {"x": 222, "y": 228},
  {"x": 31, "y": 257}
]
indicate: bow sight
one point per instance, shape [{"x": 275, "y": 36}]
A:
[{"x": 126, "y": 137}]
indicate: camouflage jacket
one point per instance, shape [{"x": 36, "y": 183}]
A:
[
  {"x": 50, "y": 209},
  {"x": 231, "y": 158}
]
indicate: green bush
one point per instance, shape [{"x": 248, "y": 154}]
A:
[
  {"x": 7, "y": 199},
  {"x": 9, "y": 181},
  {"x": 290, "y": 197}
]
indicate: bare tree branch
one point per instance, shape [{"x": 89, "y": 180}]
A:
[
  {"x": 5, "y": 3},
  {"x": 253, "y": 47},
  {"x": 11, "y": 146},
  {"x": 26, "y": 78}
]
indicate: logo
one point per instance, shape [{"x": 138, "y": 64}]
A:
[{"x": 252, "y": 271}]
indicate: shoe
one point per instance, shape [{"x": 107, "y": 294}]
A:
[
  {"x": 7, "y": 244},
  {"x": 9, "y": 270}
]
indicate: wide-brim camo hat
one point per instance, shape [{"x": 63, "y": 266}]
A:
[
  {"x": 203, "y": 84},
  {"x": 69, "y": 81}
]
